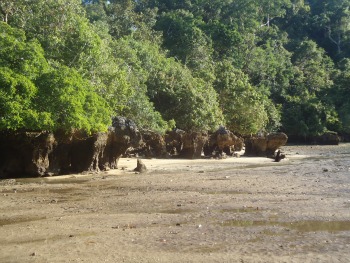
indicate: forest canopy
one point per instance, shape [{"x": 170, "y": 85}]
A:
[{"x": 250, "y": 65}]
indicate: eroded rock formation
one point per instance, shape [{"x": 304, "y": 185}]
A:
[
  {"x": 328, "y": 138},
  {"x": 154, "y": 145},
  {"x": 223, "y": 141},
  {"x": 25, "y": 153},
  {"x": 264, "y": 145},
  {"x": 141, "y": 167},
  {"x": 43, "y": 154},
  {"x": 173, "y": 140},
  {"x": 122, "y": 135},
  {"x": 192, "y": 145}
]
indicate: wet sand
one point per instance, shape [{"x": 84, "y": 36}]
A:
[{"x": 233, "y": 210}]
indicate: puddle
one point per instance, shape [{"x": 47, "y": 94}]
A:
[
  {"x": 66, "y": 181},
  {"x": 317, "y": 226},
  {"x": 247, "y": 166},
  {"x": 227, "y": 193},
  {"x": 246, "y": 223},
  {"x": 49, "y": 239},
  {"x": 300, "y": 226},
  {"x": 12, "y": 221},
  {"x": 53, "y": 180},
  {"x": 175, "y": 211},
  {"x": 241, "y": 210},
  {"x": 63, "y": 191},
  {"x": 15, "y": 190}
]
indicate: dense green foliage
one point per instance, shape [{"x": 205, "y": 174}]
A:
[{"x": 252, "y": 65}]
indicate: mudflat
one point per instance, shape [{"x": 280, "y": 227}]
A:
[{"x": 232, "y": 210}]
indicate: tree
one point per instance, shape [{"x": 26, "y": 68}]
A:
[
  {"x": 199, "y": 63},
  {"x": 21, "y": 56},
  {"x": 139, "y": 60},
  {"x": 315, "y": 67},
  {"x": 244, "y": 109},
  {"x": 269, "y": 10},
  {"x": 340, "y": 95},
  {"x": 21, "y": 62},
  {"x": 225, "y": 39},
  {"x": 331, "y": 21},
  {"x": 307, "y": 109},
  {"x": 267, "y": 62},
  {"x": 169, "y": 86},
  {"x": 304, "y": 118},
  {"x": 6, "y": 9},
  {"x": 72, "y": 101},
  {"x": 190, "y": 101},
  {"x": 17, "y": 110},
  {"x": 186, "y": 41},
  {"x": 61, "y": 28}
]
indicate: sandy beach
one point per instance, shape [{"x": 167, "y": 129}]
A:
[{"x": 247, "y": 209}]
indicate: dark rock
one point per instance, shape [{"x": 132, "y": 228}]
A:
[
  {"x": 255, "y": 146},
  {"x": 76, "y": 153},
  {"x": 60, "y": 157},
  {"x": 86, "y": 152},
  {"x": 173, "y": 141},
  {"x": 153, "y": 145},
  {"x": 122, "y": 135},
  {"x": 279, "y": 156},
  {"x": 141, "y": 167},
  {"x": 42, "y": 154},
  {"x": 223, "y": 141},
  {"x": 25, "y": 153},
  {"x": 264, "y": 146},
  {"x": 193, "y": 144},
  {"x": 344, "y": 137},
  {"x": 328, "y": 138},
  {"x": 275, "y": 141},
  {"x": 229, "y": 141},
  {"x": 46, "y": 154}
]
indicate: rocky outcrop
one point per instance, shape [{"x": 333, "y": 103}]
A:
[
  {"x": 264, "y": 145},
  {"x": 279, "y": 156},
  {"x": 223, "y": 141},
  {"x": 141, "y": 167},
  {"x": 76, "y": 153},
  {"x": 328, "y": 138},
  {"x": 87, "y": 152},
  {"x": 275, "y": 141},
  {"x": 154, "y": 145},
  {"x": 25, "y": 153},
  {"x": 173, "y": 141},
  {"x": 344, "y": 137},
  {"x": 255, "y": 146},
  {"x": 44, "y": 154},
  {"x": 122, "y": 135},
  {"x": 60, "y": 157},
  {"x": 192, "y": 145}
]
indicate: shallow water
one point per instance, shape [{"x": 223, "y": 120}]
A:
[
  {"x": 300, "y": 226},
  {"x": 19, "y": 220}
]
